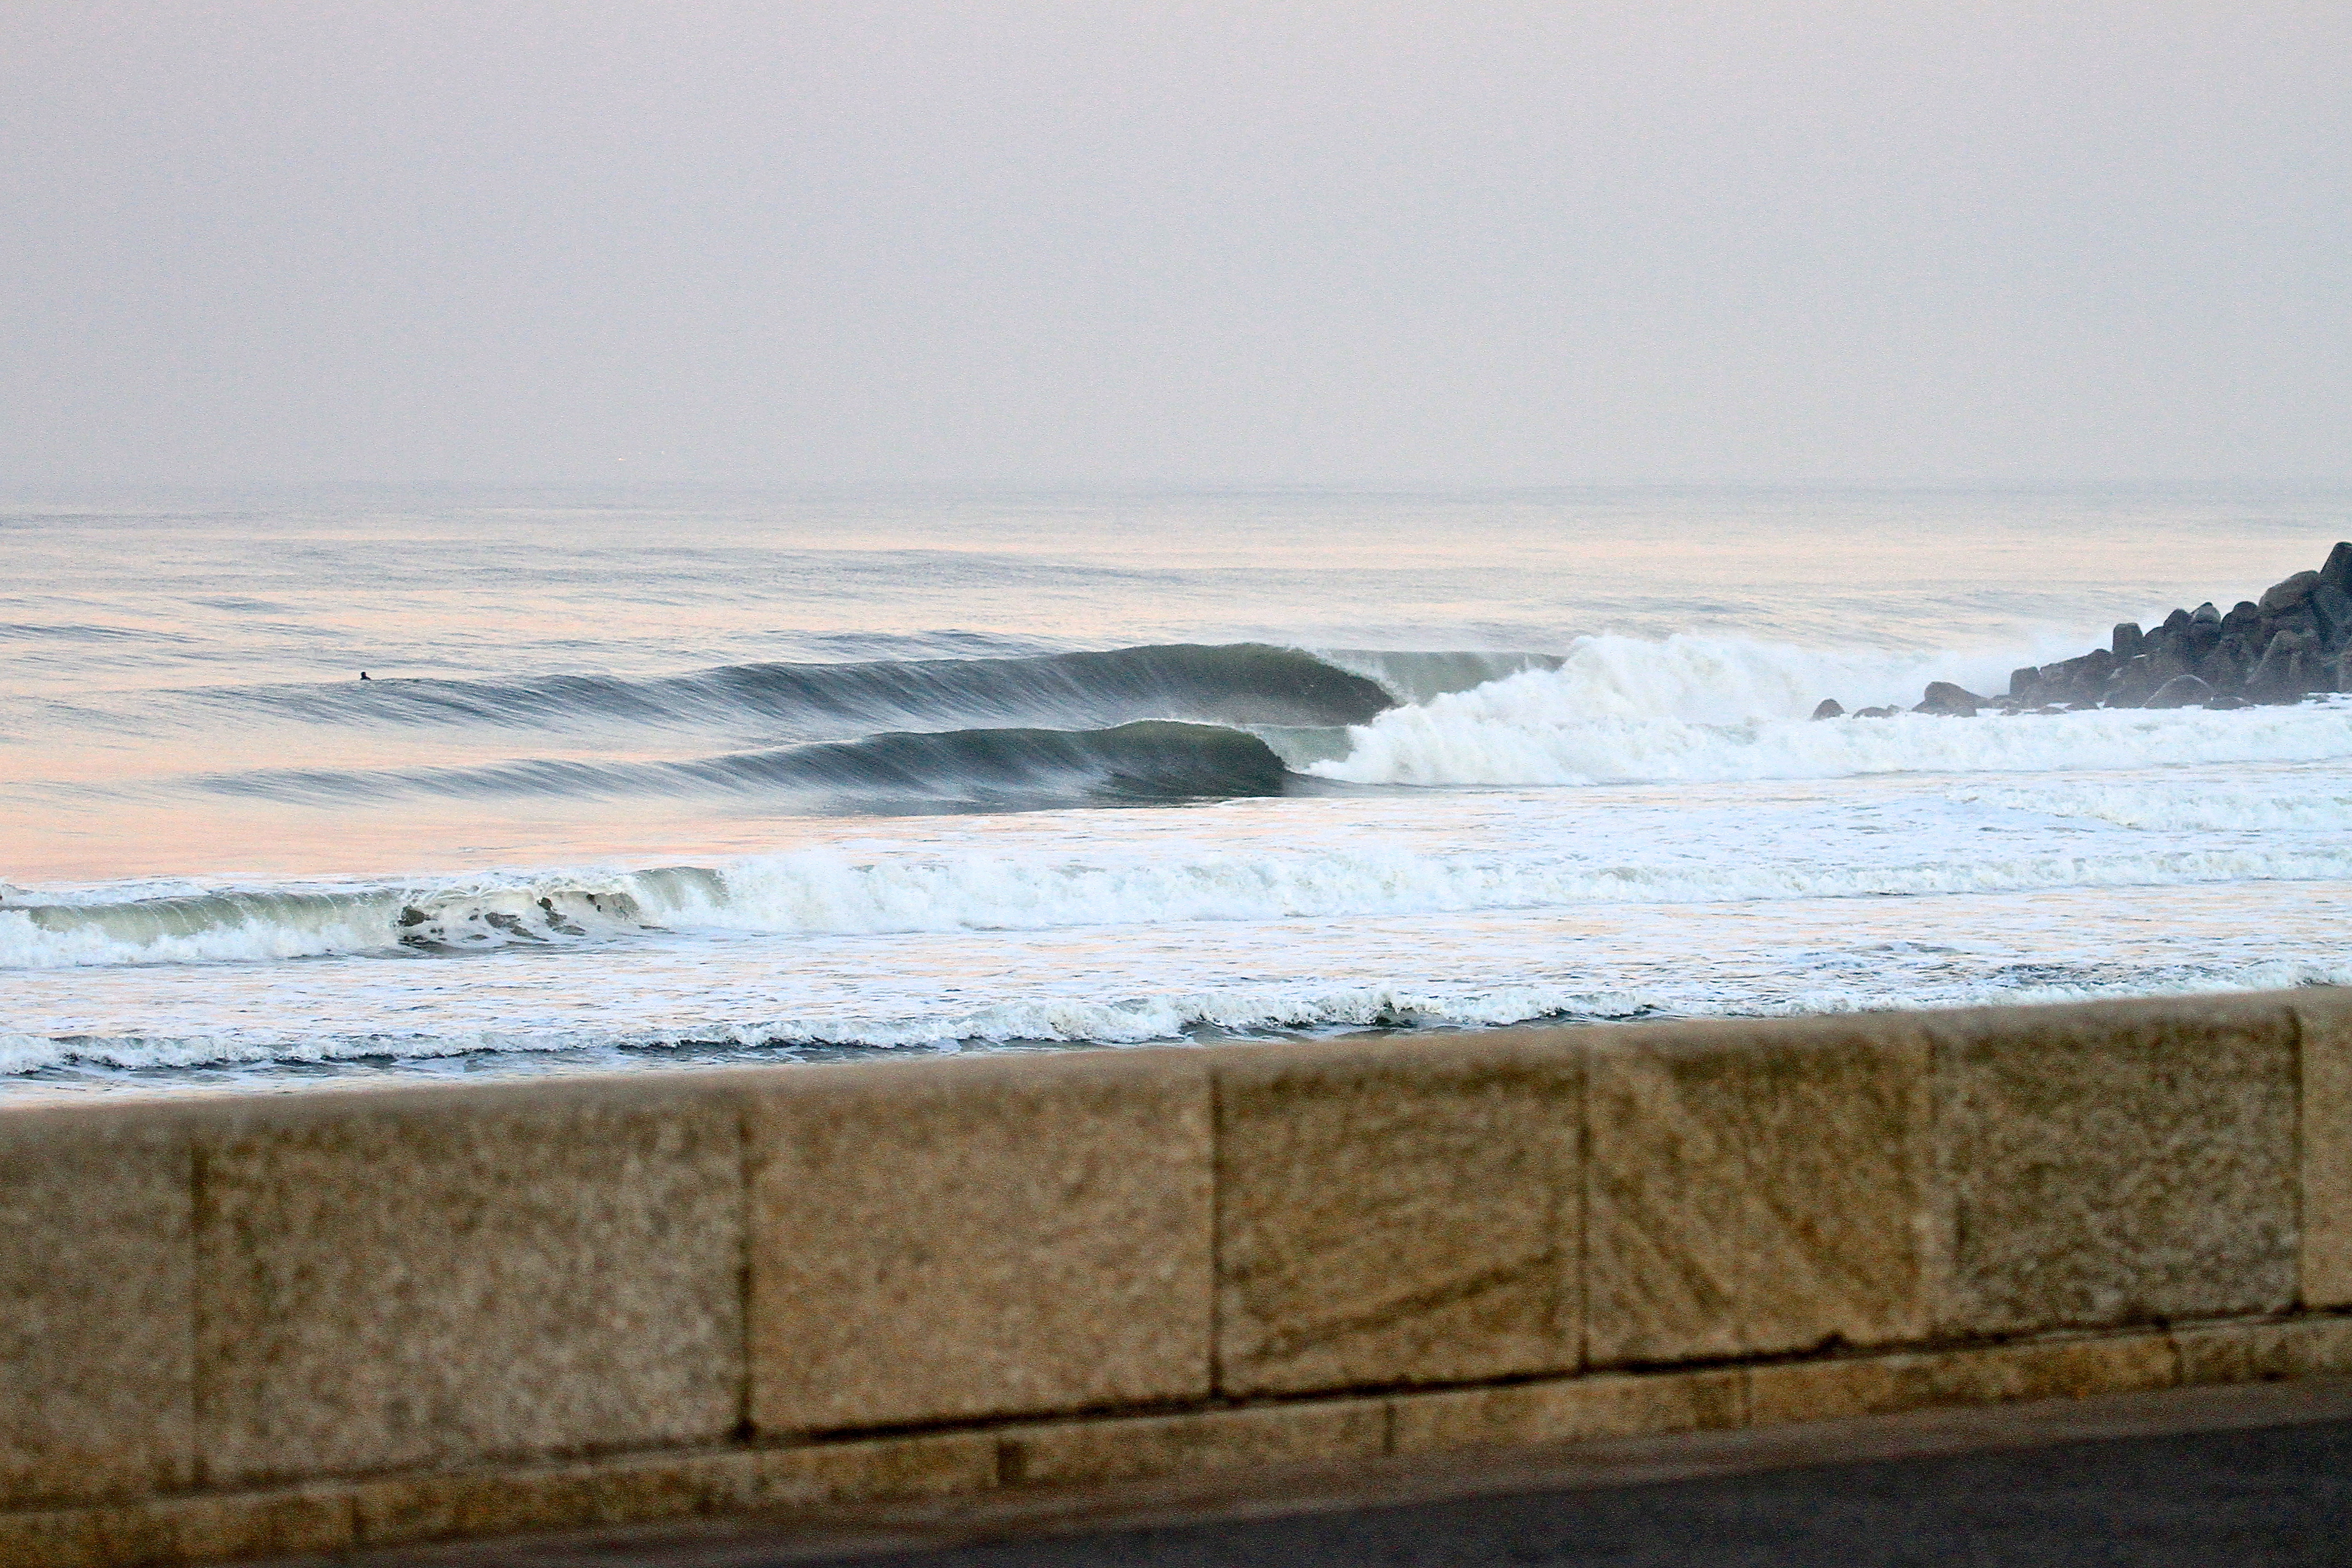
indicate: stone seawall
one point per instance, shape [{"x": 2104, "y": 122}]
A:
[{"x": 280, "y": 1323}]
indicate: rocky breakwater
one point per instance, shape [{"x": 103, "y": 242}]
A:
[{"x": 2293, "y": 643}]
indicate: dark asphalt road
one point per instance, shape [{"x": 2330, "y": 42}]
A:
[{"x": 2272, "y": 1497}]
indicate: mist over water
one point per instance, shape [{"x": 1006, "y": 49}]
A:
[{"x": 650, "y": 777}]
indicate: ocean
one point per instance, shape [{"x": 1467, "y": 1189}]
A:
[{"x": 649, "y": 777}]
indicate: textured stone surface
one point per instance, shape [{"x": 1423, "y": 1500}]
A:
[
  {"x": 1568, "y": 1409},
  {"x": 441, "y": 1278},
  {"x": 1206, "y": 1441},
  {"x": 264, "y": 1524},
  {"x": 938, "y": 1464},
  {"x": 2111, "y": 1164},
  {"x": 1756, "y": 1188},
  {"x": 99, "y": 1537},
  {"x": 491, "y": 1286},
  {"x": 2326, "y": 1025},
  {"x": 96, "y": 1381},
  {"x": 941, "y": 1240},
  {"x": 436, "y": 1505},
  {"x": 1395, "y": 1212},
  {"x": 2266, "y": 1352},
  {"x": 643, "y": 1488},
  {"x": 1871, "y": 1385}
]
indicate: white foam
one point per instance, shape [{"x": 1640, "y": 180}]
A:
[
  {"x": 1129, "y": 1021},
  {"x": 1692, "y": 709},
  {"x": 2293, "y": 805},
  {"x": 1720, "y": 858}
]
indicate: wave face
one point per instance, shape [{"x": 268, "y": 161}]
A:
[
  {"x": 1234, "y": 683},
  {"x": 1146, "y": 762},
  {"x": 1135, "y": 726}
]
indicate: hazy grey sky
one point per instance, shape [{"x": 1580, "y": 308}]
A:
[{"x": 1028, "y": 243}]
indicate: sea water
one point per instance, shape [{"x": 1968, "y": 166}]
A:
[{"x": 646, "y": 778}]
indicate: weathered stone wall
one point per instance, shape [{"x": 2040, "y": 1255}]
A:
[{"x": 305, "y": 1322}]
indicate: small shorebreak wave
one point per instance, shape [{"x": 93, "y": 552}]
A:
[
  {"x": 826, "y": 894},
  {"x": 262, "y": 925}
]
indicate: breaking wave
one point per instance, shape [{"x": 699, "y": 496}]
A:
[
  {"x": 1148, "y": 760},
  {"x": 1137, "y": 725},
  {"x": 1194, "y": 722},
  {"x": 1693, "y": 709},
  {"x": 829, "y": 893}
]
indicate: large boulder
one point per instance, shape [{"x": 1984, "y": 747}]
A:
[
  {"x": 2169, "y": 658},
  {"x": 2284, "y": 599},
  {"x": 2289, "y": 667},
  {"x": 1943, "y": 698},
  {"x": 2297, "y": 639},
  {"x": 2338, "y": 572},
  {"x": 2331, "y": 608},
  {"x": 2224, "y": 664},
  {"x": 2182, "y": 691},
  {"x": 2132, "y": 681}
]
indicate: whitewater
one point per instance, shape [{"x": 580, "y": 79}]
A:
[{"x": 639, "y": 781}]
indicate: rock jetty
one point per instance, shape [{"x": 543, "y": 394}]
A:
[{"x": 2295, "y": 641}]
